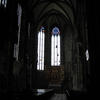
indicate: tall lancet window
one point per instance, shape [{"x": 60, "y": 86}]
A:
[
  {"x": 55, "y": 47},
  {"x": 3, "y": 3},
  {"x": 41, "y": 43}
]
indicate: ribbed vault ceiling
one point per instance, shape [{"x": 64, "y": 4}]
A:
[{"x": 51, "y": 11}]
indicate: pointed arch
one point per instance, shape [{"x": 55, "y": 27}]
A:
[
  {"x": 55, "y": 47},
  {"x": 40, "y": 51}
]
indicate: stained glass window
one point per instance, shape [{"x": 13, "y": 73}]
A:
[
  {"x": 55, "y": 47},
  {"x": 41, "y": 43},
  {"x": 3, "y": 2}
]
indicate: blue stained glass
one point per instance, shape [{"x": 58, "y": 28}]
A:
[
  {"x": 55, "y": 47},
  {"x": 55, "y": 31},
  {"x": 42, "y": 28}
]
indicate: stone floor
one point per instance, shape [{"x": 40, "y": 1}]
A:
[{"x": 58, "y": 97}]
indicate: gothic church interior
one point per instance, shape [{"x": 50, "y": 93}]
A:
[{"x": 46, "y": 46}]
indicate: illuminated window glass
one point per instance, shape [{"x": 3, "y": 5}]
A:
[
  {"x": 41, "y": 43},
  {"x": 55, "y": 47},
  {"x": 3, "y": 2},
  {"x": 87, "y": 55}
]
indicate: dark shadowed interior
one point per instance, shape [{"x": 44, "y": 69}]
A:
[{"x": 48, "y": 49}]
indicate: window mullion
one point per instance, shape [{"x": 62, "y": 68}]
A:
[
  {"x": 43, "y": 48},
  {"x": 42, "y": 53},
  {"x": 59, "y": 49},
  {"x": 55, "y": 49}
]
